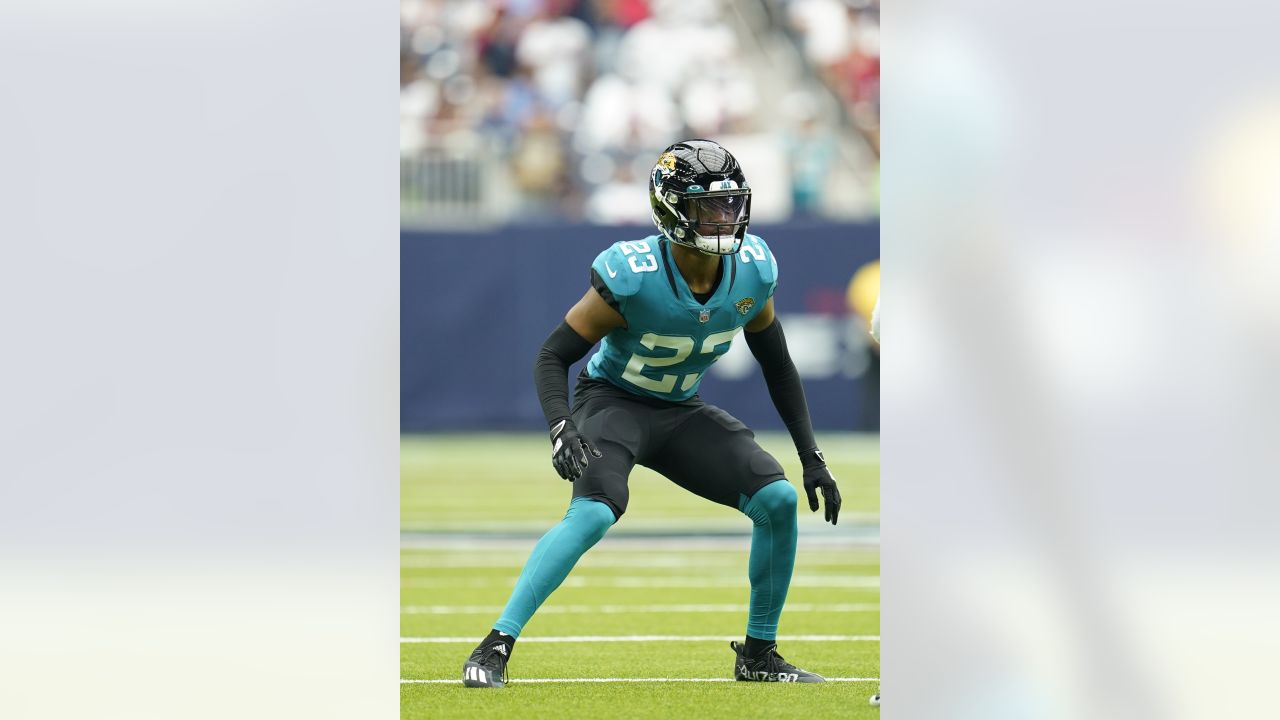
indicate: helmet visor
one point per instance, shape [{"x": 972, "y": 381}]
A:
[{"x": 720, "y": 214}]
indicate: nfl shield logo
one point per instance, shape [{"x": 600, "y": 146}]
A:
[{"x": 704, "y": 316}]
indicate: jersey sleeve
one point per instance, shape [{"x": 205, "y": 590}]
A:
[{"x": 613, "y": 279}]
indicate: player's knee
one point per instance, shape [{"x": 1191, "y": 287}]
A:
[
  {"x": 778, "y": 499},
  {"x": 591, "y": 517}
]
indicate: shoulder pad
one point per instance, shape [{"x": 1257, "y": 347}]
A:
[
  {"x": 756, "y": 253},
  {"x": 614, "y": 268}
]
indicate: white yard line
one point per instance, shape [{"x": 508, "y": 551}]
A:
[
  {"x": 632, "y": 547},
  {"x": 644, "y": 561},
  {"x": 639, "y": 581},
  {"x": 622, "y": 680},
  {"x": 628, "y": 609},
  {"x": 647, "y": 638},
  {"x": 740, "y": 528},
  {"x": 818, "y": 541}
]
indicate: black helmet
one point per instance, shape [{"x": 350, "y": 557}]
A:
[{"x": 700, "y": 197}]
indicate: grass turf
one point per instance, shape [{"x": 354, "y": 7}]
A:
[{"x": 472, "y": 508}]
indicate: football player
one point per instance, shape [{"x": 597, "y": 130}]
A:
[{"x": 663, "y": 309}]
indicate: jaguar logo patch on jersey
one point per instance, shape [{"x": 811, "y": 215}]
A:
[
  {"x": 745, "y": 304},
  {"x": 704, "y": 315}
]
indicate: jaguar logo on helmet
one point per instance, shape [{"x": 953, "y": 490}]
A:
[{"x": 700, "y": 197}]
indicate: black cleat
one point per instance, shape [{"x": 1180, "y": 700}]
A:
[
  {"x": 487, "y": 666},
  {"x": 769, "y": 667}
]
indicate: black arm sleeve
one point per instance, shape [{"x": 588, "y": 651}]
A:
[
  {"x": 770, "y": 348},
  {"x": 562, "y": 348}
]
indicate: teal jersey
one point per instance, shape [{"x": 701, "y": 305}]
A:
[{"x": 670, "y": 339}]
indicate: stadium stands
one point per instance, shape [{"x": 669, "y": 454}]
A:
[{"x": 552, "y": 110}]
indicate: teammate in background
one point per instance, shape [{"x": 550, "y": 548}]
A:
[{"x": 663, "y": 309}]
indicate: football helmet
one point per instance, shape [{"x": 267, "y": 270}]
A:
[{"x": 700, "y": 197}]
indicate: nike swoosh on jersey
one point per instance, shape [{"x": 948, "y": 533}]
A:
[{"x": 612, "y": 274}]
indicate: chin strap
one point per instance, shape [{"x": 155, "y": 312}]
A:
[
  {"x": 718, "y": 241},
  {"x": 734, "y": 240}
]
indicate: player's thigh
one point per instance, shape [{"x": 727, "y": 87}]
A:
[
  {"x": 616, "y": 429},
  {"x": 714, "y": 455}
]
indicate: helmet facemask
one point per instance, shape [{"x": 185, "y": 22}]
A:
[{"x": 713, "y": 222}]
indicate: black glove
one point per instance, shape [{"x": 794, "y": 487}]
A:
[
  {"x": 569, "y": 450},
  {"x": 816, "y": 475}
]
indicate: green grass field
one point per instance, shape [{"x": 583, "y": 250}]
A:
[{"x": 670, "y": 576}]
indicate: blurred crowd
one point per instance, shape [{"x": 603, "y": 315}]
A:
[{"x": 575, "y": 97}]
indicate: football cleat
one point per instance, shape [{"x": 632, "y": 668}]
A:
[
  {"x": 875, "y": 700},
  {"x": 487, "y": 666},
  {"x": 768, "y": 667}
]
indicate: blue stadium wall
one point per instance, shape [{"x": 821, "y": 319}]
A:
[{"x": 475, "y": 308}]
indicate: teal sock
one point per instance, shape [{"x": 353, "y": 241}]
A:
[
  {"x": 773, "y": 554},
  {"x": 553, "y": 557}
]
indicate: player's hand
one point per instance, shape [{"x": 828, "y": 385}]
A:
[
  {"x": 570, "y": 452},
  {"x": 816, "y": 475}
]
